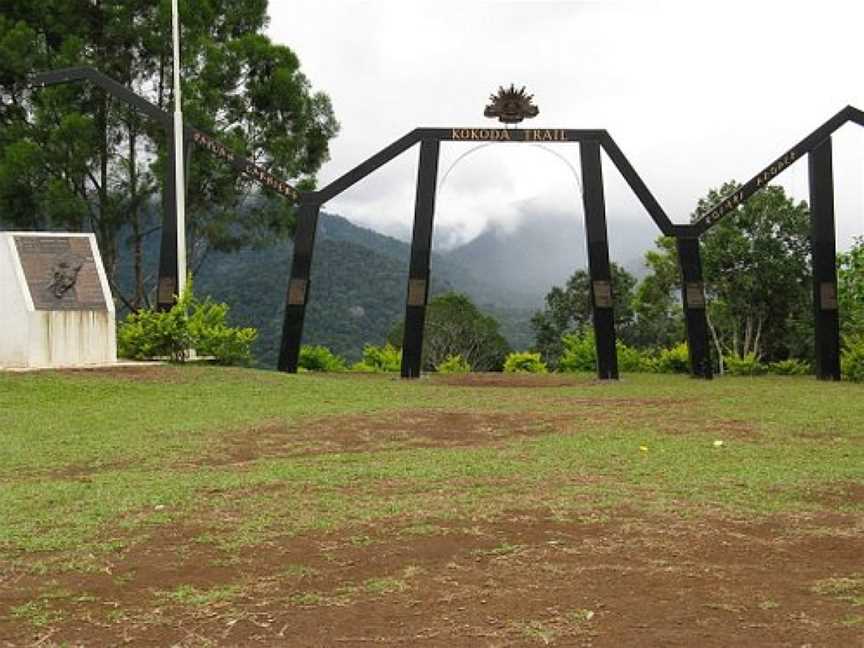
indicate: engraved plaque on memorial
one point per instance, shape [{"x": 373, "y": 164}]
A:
[
  {"x": 167, "y": 290},
  {"x": 603, "y": 294},
  {"x": 828, "y": 296},
  {"x": 297, "y": 292},
  {"x": 56, "y": 308},
  {"x": 695, "y": 294},
  {"x": 416, "y": 292},
  {"x": 61, "y": 273}
]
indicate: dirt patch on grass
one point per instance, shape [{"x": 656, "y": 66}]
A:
[
  {"x": 511, "y": 380},
  {"x": 435, "y": 428},
  {"x": 392, "y": 430},
  {"x": 621, "y": 577},
  {"x": 150, "y": 373},
  {"x": 836, "y": 496}
]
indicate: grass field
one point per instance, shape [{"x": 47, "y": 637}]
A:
[{"x": 202, "y": 506}]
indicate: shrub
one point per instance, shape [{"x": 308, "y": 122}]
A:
[
  {"x": 631, "y": 359},
  {"x": 579, "y": 353},
  {"x": 211, "y": 336},
  {"x": 150, "y": 334},
  {"x": 320, "y": 358},
  {"x": 525, "y": 362},
  {"x": 454, "y": 364},
  {"x": 189, "y": 324},
  {"x": 379, "y": 359},
  {"x": 749, "y": 365},
  {"x": 790, "y": 367},
  {"x": 852, "y": 359},
  {"x": 674, "y": 360}
]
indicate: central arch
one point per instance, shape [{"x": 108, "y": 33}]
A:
[
  {"x": 502, "y": 203},
  {"x": 590, "y": 142}
]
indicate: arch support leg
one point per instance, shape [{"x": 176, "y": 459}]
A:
[
  {"x": 823, "y": 248},
  {"x": 598, "y": 260},
  {"x": 167, "y": 286},
  {"x": 421, "y": 253},
  {"x": 693, "y": 300},
  {"x": 298, "y": 287}
]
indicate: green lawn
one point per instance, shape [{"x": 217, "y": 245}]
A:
[
  {"x": 90, "y": 459},
  {"x": 197, "y": 506}
]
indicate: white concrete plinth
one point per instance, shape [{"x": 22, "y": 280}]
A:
[{"x": 79, "y": 330}]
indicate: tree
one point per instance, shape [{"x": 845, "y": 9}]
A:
[
  {"x": 850, "y": 290},
  {"x": 73, "y": 158},
  {"x": 568, "y": 310},
  {"x": 454, "y": 326},
  {"x": 656, "y": 302},
  {"x": 756, "y": 263}
]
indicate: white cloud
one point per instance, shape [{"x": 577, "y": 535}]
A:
[{"x": 694, "y": 93}]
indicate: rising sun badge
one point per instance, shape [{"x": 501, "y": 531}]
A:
[{"x": 511, "y": 106}]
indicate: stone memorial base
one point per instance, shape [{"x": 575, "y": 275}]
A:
[{"x": 56, "y": 308}]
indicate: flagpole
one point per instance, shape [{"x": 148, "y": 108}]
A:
[{"x": 180, "y": 183}]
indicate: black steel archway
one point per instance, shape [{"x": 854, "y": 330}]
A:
[
  {"x": 591, "y": 143},
  {"x": 817, "y": 147}
]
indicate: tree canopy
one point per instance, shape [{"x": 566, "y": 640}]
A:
[
  {"x": 568, "y": 310},
  {"x": 73, "y": 158},
  {"x": 454, "y": 326},
  {"x": 850, "y": 290},
  {"x": 757, "y": 271}
]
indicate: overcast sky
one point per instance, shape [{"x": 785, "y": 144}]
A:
[{"x": 694, "y": 93}]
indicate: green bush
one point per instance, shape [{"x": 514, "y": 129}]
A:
[
  {"x": 631, "y": 359},
  {"x": 454, "y": 364},
  {"x": 579, "y": 353},
  {"x": 379, "y": 359},
  {"x": 674, "y": 360},
  {"x": 852, "y": 359},
  {"x": 189, "y": 324},
  {"x": 790, "y": 367},
  {"x": 150, "y": 334},
  {"x": 525, "y": 362},
  {"x": 320, "y": 358},
  {"x": 749, "y": 365}
]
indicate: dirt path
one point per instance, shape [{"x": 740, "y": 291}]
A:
[{"x": 614, "y": 579}]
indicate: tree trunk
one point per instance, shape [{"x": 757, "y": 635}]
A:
[
  {"x": 716, "y": 341},
  {"x": 758, "y": 339}
]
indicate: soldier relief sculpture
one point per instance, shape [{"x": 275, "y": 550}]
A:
[{"x": 64, "y": 274}]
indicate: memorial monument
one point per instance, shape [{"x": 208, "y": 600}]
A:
[{"x": 56, "y": 308}]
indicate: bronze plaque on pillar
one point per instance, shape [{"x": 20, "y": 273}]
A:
[
  {"x": 695, "y": 294},
  {"x": 603, "y": 294},
  {"x": 828, "y": 296},
  {"x": 297, "y": 292},
  {"x": 167, "y": 290},
  {"x": 61, "y": 272},
  {"x": 416, "y": 292}
]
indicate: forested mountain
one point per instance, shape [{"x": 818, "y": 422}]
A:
[{"x": 357, "y": 291}]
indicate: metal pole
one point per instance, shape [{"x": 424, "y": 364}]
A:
[
  {"x": 421, "y": 253},
  {"x": 298, "y": 286},
  {"x": 823, "y": 248},
  {"x": 598, "y": 260},
  {"x": 179, "y": 167},
  {"x": 693, "y": 301}
]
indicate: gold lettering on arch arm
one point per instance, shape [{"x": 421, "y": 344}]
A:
[
  {"x": 480, "y": 134},
  {"x": 508, "y": 135}
]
